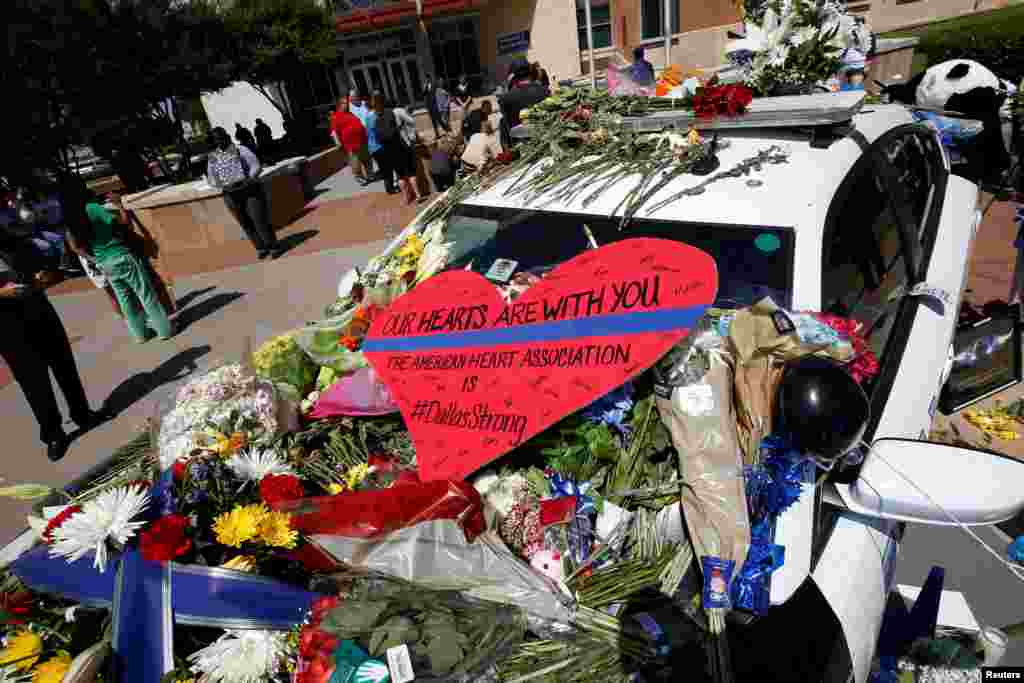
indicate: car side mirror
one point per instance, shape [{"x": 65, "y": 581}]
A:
[{"x": 921, "y": 481}]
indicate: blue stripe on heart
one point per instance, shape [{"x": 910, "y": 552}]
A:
[{"x": 564, "y": 330}]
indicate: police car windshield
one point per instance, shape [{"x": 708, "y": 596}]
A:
[{"x": 753, "y": 261}]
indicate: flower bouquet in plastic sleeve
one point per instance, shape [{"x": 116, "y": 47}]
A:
[
  {"x": 283, "y": 361},
  {"x": 223, "y": 409},
  {"x": 432, "y": 533},
  {"x": 401, "y": 631},
  {"x": 694, "y": 389},
  {"x": 764, "y": 337}
]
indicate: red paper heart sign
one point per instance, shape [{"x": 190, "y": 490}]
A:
[{"x": 475, "y": 378}]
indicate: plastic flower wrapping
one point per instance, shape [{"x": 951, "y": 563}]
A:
[
  {"x": 282, "y": 360},
  {"x": 795, "y": 45},
  {"x": 212, "y": 411}
]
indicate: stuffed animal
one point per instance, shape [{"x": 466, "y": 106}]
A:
[{"x": 968, "y": 88}]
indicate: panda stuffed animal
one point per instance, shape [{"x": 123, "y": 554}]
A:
[{"x": 967, "y": 87}]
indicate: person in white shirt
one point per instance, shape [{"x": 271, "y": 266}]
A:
[
  {"x": 481, "y": 148},
  {"x": 235, "y": 170}
]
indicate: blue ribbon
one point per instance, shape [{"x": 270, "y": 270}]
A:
[
  {"x": 618, "y": 325},
  {"x": 581, "y": 531},
  {"x": 148, "y": 597}
]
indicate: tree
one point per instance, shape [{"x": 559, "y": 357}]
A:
[
  {"x": 275, "y": 39},
  {"x": 79, "y": 69}
]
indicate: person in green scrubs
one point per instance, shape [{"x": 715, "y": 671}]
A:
[{"x": 126, "y": 272}]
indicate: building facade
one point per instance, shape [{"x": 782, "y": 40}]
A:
[{"x": 388, "y": 45}]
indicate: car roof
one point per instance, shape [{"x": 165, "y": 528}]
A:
[{"x": 795, "y": 194}]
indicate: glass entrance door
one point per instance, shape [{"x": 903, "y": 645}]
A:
[
  {"x": 372, "y": 77},
  {"x": 399, "y": 82}
]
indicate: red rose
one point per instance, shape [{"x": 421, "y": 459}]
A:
[
  {"x": 165, "y": 539},
  {"x": 179, "y": 471},
  {"x": 307, "y": 642},
  {"x": 324, "y": 604},
  {"x": 16, "y": 604},
  {"x": 277, "y": 488},
  {"x": 55, "y": 523},
  {"x": 319, "y": 671}
]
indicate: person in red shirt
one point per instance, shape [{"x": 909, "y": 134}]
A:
[{"x": 349, "y": 132}]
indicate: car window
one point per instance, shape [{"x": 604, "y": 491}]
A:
[
  {"x": 753, "y": 261},
  {"x": 867, "y": 261}
]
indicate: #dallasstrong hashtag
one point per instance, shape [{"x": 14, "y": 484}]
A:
[{"x": 478, "y": 417}]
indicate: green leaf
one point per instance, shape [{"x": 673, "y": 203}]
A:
[{"x": 26, "y": 492}]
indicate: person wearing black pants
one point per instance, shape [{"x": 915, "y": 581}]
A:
[
  {"x": 33, "y": 344},
  {"x": 236, "y": 170}
]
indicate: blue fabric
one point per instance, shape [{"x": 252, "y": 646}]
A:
[
  {"x": 146, "y": 595},
  {"x": 1016, "y": 550},
  {"x": 369, "y": 120},
  {"x": 642, "y": 73}
]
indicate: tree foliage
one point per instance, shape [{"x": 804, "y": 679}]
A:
[
  {"x": 77, "y": 68},
  {"x": 275, "y": 39}
]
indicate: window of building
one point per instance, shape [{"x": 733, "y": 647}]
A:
[
  {"x": 600, "y": 21},
  {"x": 652, "y": 18},
  {"x": 456, "y": 50}
]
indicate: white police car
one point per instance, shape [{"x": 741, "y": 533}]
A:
[{"x": 864, "y": 211}]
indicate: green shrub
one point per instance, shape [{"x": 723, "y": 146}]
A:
[{"x": 1003, "y": 54}]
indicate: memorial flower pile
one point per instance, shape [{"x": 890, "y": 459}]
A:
[
  {"x": 41, "y": 635},
  {"x": 794, "y": 46}
]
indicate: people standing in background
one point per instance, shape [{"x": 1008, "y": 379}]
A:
[
  {"x": 104, "y": 238},
  {"x": 33, "y": 345},
  {"x": 642, "y": 71},
  {"x": 410, "y": 138},
  {"x": 430, "y": 102},
  {"x": 474, "y": 121},
  {"x": 264, "y": 141},
  {"x": 462, "y": 95},
  {"x": 368, "y": 118},
  {"x": 236, "y": 170},
  {"x": 351, "y": 135},
  {"x": 443, "y": 106},
  {"x": 395, "y": 154},
  {"x": 442, "y": 165},
  {"x": 244, "y": 137},
  {"x": 529, "y": 93},
  {"x": 481, "y": 148},
  {"x": 545, "y": 80}
]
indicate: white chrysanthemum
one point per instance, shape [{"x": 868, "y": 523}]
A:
[
  {"x": 241, "y": 657},
  {"x": 803, "y": 35},
  {"x": 256, "y": 463},
  {"x": 106, "y": 517}
]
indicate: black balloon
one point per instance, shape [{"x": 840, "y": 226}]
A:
[{"x": 821, "y": 407}]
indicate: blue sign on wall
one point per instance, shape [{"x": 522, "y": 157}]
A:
[{"x": 513, "y": 43}]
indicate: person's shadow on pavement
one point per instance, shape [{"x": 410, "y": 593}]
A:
[
  {"x": 140, "y": 385},
  {"x": 197, "y": 312}
]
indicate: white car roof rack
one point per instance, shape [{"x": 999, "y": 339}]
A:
[{"x": 790, "y": 111}]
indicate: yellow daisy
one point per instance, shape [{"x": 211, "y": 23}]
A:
[
  {"x": 356, "y": 474},
  {"x": 52, "y": 670},
  {"x": 240, "y": 525},
  {"x": 20, "y": 650},
  {"x": 276, "y": 530}
]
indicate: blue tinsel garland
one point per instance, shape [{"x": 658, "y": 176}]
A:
[{"x": 772, "y": 487}]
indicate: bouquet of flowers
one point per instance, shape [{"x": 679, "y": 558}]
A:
[
  {"x": 232, "y": 398},
  {"x": 795, "y": 45},
  {"x": 49, "y": 640},
  {"x": 282, "y": 360},
  {"x": 434, "y": 635}
]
